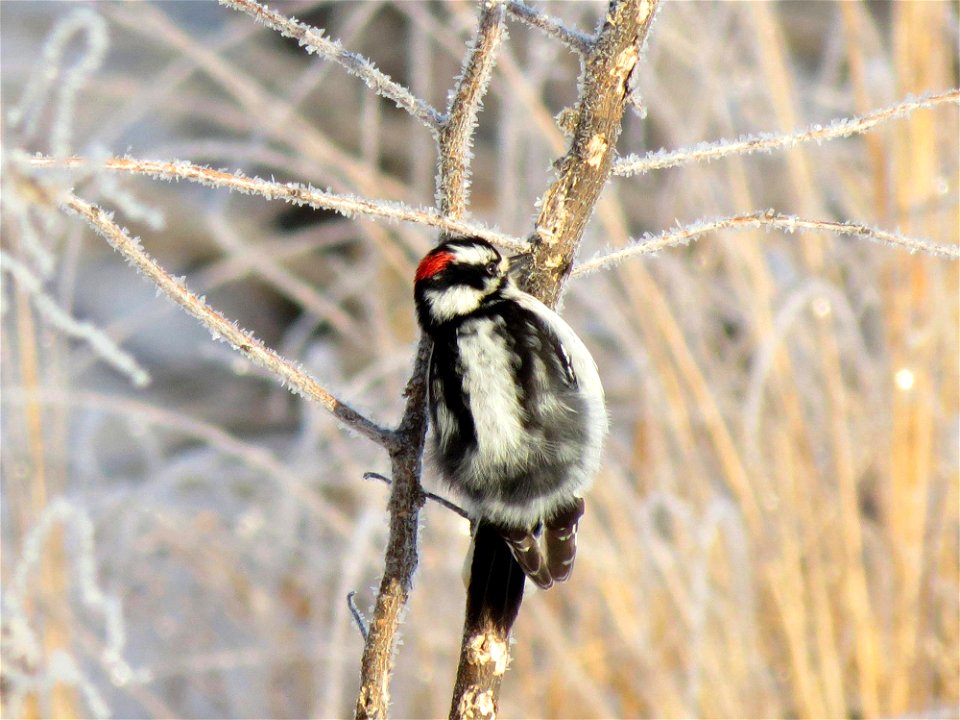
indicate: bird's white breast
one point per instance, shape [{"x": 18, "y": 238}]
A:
[{"x": 489, "y": 370}]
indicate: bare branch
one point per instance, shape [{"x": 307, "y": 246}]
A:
[
  {"x": 461, "y": 120},
  {"x": 769, "y": 142},
  {"x": 349, "y": 206},
  {"x": 314, "y": 41},
  {"x": 407, "y": 496},
  {"x": 579, "y": 42},
  {"x": 583, "y": 171},
  {"x": 220, "y": 327},
  {"x": 769, "y": 219},
  {"x": 406, "y": 499}
]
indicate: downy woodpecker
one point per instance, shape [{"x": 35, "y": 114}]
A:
[{"x": 516, "y": 406}]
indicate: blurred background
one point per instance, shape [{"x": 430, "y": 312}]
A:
[{"x": 774, "y": 532}]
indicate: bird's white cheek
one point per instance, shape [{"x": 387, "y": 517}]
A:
[{"x": 452, "y": 302}]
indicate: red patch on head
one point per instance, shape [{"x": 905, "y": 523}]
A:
[{"x": 432, "y": 264}]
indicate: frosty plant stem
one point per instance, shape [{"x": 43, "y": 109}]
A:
[
  {"x": 770, "y": 142},
  {"x": 768, "y": 219},
  {"x": 219, "y": 326},
  {"x": 295, "y": 193}
]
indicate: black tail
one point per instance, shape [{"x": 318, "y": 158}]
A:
[{"x": 495, "y": 589}]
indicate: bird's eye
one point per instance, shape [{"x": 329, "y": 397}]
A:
[{"x": 492, "y": 268}]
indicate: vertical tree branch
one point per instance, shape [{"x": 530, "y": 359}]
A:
[
  {"x": 406, "y": 499},
  {"x": 406, "y": 496},
  {"x": 565, "y": 209},
  {"x": 569, "y": 202},
  {"x": 492, "y": 608}
]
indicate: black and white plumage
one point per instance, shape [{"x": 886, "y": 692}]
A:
[{"x": 515, "y": 401}]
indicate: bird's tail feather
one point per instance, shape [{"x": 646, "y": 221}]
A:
[
  {"x": 560, "y": 538},
  {"x": 495, "y": 587},
  {"x": 526, "y": 550},
  {"x": 503, "y": 557}
]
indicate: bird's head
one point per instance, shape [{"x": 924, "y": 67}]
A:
[{"x": 457, "y": 278}]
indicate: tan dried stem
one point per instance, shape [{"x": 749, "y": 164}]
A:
[
  {"x": 768, "y": 219},
  {"x": 771, "y": 142},
  {"x": 457, "y": 131}
]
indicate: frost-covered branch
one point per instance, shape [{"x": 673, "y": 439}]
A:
[
  {"x": 349, "y": 206},
  {"x": 314, "y": 41},
  {"x": 59, "y": 318},
  {"x": 35, "y": 670},
  {"x": 219, "y": 326},
  {"x": 769, "y": 142},
  {"x": 605, "y": 90},
  {"x": 461, "y": 121},
  {"x": 577, "y": 41},
  {"x": 406, "y": 495},
  {"x": 402, "y": 556},
  {"x": 650, "y": 244}
]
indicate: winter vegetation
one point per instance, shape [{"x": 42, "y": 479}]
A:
[{"x": 768, "y": 280}]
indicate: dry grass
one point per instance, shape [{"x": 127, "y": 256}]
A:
[{"x": 775, "y": 530}]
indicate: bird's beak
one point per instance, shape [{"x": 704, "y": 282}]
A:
[{"x": 519, "y": 264}]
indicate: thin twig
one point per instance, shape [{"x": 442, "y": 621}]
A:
[
  {"x": 220, "y": 327},
  {"x": 769, "y": 142},
  {"x": 579, "y": 42},
  {"x": 457, "y": 130},
  {"x": 429, "y": 495},
  {"x": 314, "y": 41},
  {"x": 349, "y": 206},
  {"x": 59, "y": 318},
  {"x": 358, "y": 616},
  {"x": 769, "y": 219}
]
